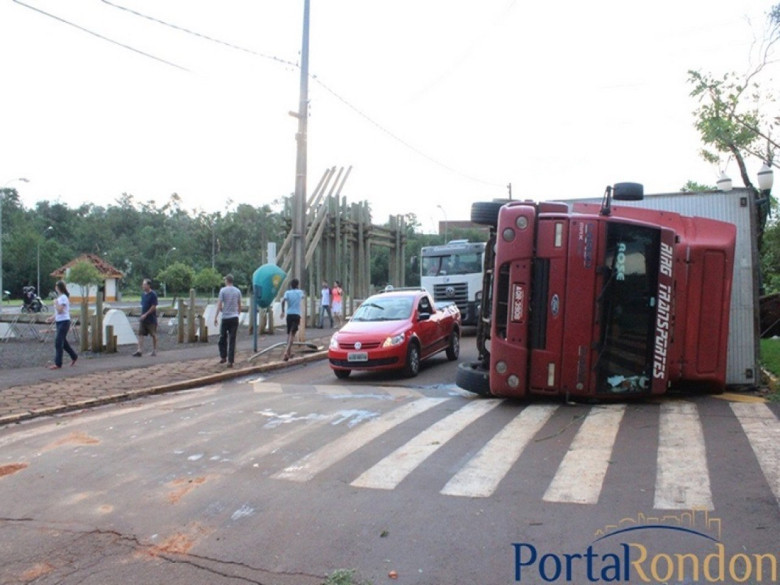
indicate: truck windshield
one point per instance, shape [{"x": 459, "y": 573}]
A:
[
  {"x": 451, "y": 264},
  {"x": 627, "y": 306}
]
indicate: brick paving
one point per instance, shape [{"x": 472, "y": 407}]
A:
[{"x": 27, "y": 393}]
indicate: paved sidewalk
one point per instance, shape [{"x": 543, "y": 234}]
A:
[{"x": 27, "y": 393}]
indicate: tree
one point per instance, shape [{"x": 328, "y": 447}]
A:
[
  {"x": 694, "y": 187},
  {"x": 85, "y": 275},
  {"x": 207, "y": 279},
  {"x": 732, "y": 119},
  {"x": 178, "y": 277}
]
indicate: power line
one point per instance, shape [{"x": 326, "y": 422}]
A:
[
  {"x": 338, "y": 96},
  {"x": 101, "y": 37},
  {"x": 401, "y": 140},
  {"x": 200, "y": 35}
]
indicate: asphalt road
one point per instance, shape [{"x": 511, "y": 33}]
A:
[{"x": 287, "y": 478}]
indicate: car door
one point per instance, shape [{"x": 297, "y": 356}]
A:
[{"x": 427, "y": 325}]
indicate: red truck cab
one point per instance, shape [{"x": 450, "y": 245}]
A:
[{"x": 589, "y": 300}]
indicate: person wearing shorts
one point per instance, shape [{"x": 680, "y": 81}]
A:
[
  {"x": 147, "y": 325},
  {"x": 293, "y": 300},
  {"x": 338, "y": 299}
]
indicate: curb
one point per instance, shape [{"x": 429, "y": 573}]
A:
[{"x": 162, "y": 389}]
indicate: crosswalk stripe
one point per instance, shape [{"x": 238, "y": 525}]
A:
[
  {"x": 480, "y": 477},
  {"x": 682, "y": 477},
  {"x": 310, "y": 465},
  {"x": 763, "y": 432},
  {"x": 581, "y": 473},
  {"x": 391, "y": 470}
]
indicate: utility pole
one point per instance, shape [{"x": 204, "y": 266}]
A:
[{"x": 299, "y": 198}]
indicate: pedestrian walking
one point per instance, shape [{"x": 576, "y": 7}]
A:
[
  {"x": 338, "y": 299},
  {"x": 293, "y": 299},
  {"x": 147, "y": 324},
  {"x": 61, "y": 318},
  {"x": 229, "y": 304},
  {"x": 325, "y": 305}
]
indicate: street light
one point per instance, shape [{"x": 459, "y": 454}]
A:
[
  {"x": 38, "y": 257},
  {"x": 766, "y": 178},
  {"x": 165, "y": 262},
  {"x": 2, "y": 290},
  {"x": 445, "y": 222},
  {"x": 724, "y": 182}
]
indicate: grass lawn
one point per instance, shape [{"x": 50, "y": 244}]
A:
[{"x": 770, "y": 360}]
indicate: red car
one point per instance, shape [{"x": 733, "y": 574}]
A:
[{"x": 395, "y": 330}]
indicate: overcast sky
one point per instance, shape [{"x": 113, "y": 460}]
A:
[{"x": 431, "y": 102}]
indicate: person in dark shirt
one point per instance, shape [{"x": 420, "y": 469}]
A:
[{"x": 148, "y": 322}]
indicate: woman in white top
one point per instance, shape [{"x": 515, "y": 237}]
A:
[{"x": 62, "y": 319}]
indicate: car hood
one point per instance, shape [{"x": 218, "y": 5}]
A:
[{"x": 366, "y": 329}]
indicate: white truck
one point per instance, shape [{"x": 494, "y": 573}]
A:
[{"x": 453, "y": 272}]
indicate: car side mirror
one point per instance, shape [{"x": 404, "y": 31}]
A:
[{"x": 424, "y": 316}]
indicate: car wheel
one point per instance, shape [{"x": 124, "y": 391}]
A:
[
  {"x": 473, "y": 377},
  {"x": 412, "y": 367},
  {"x": 342, "y": 374},
  {"x": 453, "y": 350},
  {"x": 486, "y": 212}
]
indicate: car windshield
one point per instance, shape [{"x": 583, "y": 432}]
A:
[
  {"x": 628, "y": 305},
  {"x": 384, "y": 309}
]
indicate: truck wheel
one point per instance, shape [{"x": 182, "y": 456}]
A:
[
  {"x": 472, "y": 377},
  {"x": 342, "y": 374},
  {"x": 486, "y": 212},
  {"x": 628, "y": 192},
  {"x": 412, "y": 366},
  {"x": 453, "y": 350}
]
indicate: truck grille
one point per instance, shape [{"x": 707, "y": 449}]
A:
[{"x": 457, "y": 292}]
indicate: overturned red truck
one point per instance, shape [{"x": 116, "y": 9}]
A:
[{"x": 600, "y": 300}]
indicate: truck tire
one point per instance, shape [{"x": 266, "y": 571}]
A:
[
  {"x": 472, "y": 377},
  {"x": 486, "y": 212},
  {"x": 628, "y": 192}
]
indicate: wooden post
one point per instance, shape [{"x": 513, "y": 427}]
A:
[
  {"x": 110, "y": 339},
  {"x": 99, "y": 322},
  {"x": 93, "y": 337},
  {"x": 203, "y": 330},
  {"x": 191, "y": 337},
  {"x": 180, "y": 322},
  {"x": 84, "y": 324}
]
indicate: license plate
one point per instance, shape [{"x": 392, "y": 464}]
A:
[
  {"x": 518, "y": 303},
  {"x": 357, "y": 356}
]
